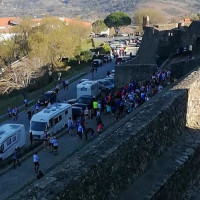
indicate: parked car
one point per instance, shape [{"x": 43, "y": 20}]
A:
[
  {"x": 97, "y": 63},
  {"x": 83, "y": 101},
  {"x": 71, "y": 101},
  {"x": 80, "y": 105},
  {"x": 48, "y": 97},
  {"x": 107, "y": 59},
  {"x": 110, "y": 78},
  {"x": 120, "y": 60},
  {"x": 105, "y": 85},
  {"x": 77, "y": 112}
]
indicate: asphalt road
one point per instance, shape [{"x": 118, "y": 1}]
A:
[{"x": 62, "y": 95}]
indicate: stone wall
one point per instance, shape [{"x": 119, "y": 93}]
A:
[
  {"x": 120, "y": 154},
  {"x": 128, "y": 72},
  {"x": 181, "y": 68}
]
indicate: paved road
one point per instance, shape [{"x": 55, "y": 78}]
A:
[
  {"x": 64, "y": 94},
  {"x": 13, "y": 180}
]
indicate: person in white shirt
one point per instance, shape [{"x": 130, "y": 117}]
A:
[
  {"x": 160, "y": 88},
  {"x": 36, "y": 162},
  {"x": 70, "y": 125}
]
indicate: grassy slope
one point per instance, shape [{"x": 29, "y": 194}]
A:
[{"x": 89, "y": 10}]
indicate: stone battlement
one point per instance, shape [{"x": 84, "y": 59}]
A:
[{"x": 123, "y": 152}]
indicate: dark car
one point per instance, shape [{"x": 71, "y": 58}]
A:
[
  {"x": 120, "y": 60},
  {"x": 47, "y": 97},
  {"x": 97, "y": 63},
  {"x": 105, "y": 85},
  {"x": 107, "y": 59},
  {"x": 83, "y": 101},
  {"x": 77, "y": 112},
  {"x": 80, "y": 105}
]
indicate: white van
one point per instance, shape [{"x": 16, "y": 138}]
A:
[
  {"x": 11, "y": 136},
  {"x": 53, "y": 118},
  {"x": 88, "y": 88}
]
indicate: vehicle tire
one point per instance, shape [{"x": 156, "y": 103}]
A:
[{"x": 66, "y": 126}]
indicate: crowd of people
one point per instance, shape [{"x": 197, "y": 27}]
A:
[
  {"x": 113, "y": 105},
  {"x": 118, "y": 103}
]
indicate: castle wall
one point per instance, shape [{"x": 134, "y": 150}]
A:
[
  {"x": 123, "y": 152},
  {"x": 128, "y": 72}
]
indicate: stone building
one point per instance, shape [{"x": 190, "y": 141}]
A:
[{"x": 159, "y": 44}]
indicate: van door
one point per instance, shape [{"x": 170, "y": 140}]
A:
[{"x": 1, "y": 151}]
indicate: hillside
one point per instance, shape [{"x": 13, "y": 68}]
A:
[{"x": 93, "y": 9}]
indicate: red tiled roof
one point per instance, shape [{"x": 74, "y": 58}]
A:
[
  {"x": 71, "y": 20},
  {"x": 4, "y": 21}
]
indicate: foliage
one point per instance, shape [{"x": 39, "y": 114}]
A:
[
  {"x": 155, "y": 16},
  {"x": 98, "y": 26},
  {"x": 105, "y": 49},
  {"x": 53, "y": 40},
  {"x": 195, "y": 17},
  {"x": 8, "y": 50},
  {"x": 86, "y": 56},
  {"x": 117, "y": 20}
]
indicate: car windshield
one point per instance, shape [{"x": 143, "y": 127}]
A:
[
  {"x": 106, "y": 83},
  {"x": 84, "y": 100},
  {"x": 95, "y": 62},
  {"x": 38, "y": 126}
]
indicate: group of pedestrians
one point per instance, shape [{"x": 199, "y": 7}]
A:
[
  {"x": 13, "y": 113},
  {"x": 114, "y": 104}
]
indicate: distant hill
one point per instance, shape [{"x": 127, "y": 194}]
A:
[{"x": 93, "y": 9}]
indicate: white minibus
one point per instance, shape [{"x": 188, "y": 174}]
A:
[
  {"x": 88, "y": 88},
  {"x": 52, "y": 118},
  {"x": 11, "y": 136}
]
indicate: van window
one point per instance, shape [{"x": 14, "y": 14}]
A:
[
  {"x": 83, "y": 89},
  {"x": 8, "y": 141},
  {"x": 2, "y": 148},
  {"x": 51, "y": 123},
  {"x": 56, "y": 120},
  {"x": 66, "y": 112},
  {"x": 14, "y": 138}
]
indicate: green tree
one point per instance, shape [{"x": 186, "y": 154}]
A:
[
  {"x": 155, "y": 16},
  {"x": 54, "y": 40},
  {"x": 8, "y": 49},
  {"x": 23, "y": 31},
  {"x": 98, "y": 26},
  {"x": 117, "y": 20}
]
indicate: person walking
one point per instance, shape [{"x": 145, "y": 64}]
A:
[
  {"x": 95, "y": 106},
  {"x": 80, "y": 131},
  {"x": 55, "y": 145},
  {"x": 31, "y": 137},
  {"x": 51, "y": 144},
  {"x": 86, "y": 114},
  {"x": 70, "y": 125},
  {"x": 26, "y": 103},
  {"x": 37, "y": 107},
  {"x": 29, "y": 113},
  {"x": 36, "y": 162},
  {"x": 45, "y": 140},
  {"x": 15, "y": 158},
  {"x": 67, "y": 84},
  {"x": 64, "y": 85},
  {"x": 9, "y": 113}
]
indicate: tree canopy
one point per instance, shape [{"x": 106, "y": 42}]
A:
[
  {"x": 117, "y": 20},
  {"x": 98, "y": 26}
]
